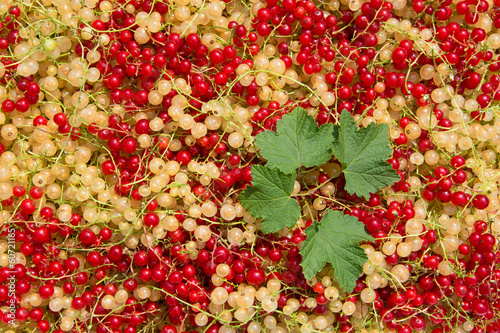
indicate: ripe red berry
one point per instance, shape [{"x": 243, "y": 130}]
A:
[
  {"x": 60, "y": 119},
  {"x": 480, "y": 201},
  {"x": 27, "y": 206}
]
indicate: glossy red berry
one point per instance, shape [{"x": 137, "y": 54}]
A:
[
  {"x": 27, "y": 206},
  {"x": 480, "y": 201}
]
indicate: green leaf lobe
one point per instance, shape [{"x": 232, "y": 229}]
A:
[
  {"x": 298, "y": 141},
  {"x": 363, "y": 154},
  {"x": 269, "y": 198},
  {"x": 335, "y": 240}
]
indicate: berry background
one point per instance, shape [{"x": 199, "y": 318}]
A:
[{"x": 128, "y": 134}]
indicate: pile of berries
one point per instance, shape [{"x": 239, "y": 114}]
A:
[{"x": 127, "y": 133}]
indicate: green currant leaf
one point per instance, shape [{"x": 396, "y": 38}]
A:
[
  {"x": 298, "y": 141},
  {"x": 363, "y": 154},
  {"x": 335, "y": 240},
  {"x": 269, "y": 198}
]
